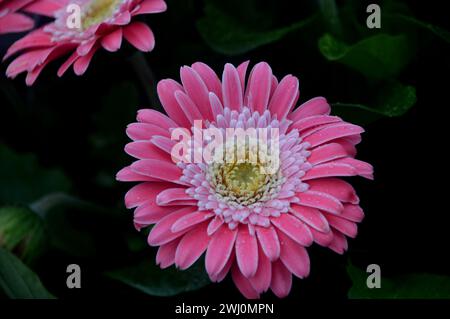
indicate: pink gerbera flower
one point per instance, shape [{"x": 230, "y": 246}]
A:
[
  {"x": 11, "y": 19},
  {"x": 247, "y": 221},
  {"x": 102, "y": 24}
]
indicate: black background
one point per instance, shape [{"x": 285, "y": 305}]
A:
[{"x": 406, "y": 206}]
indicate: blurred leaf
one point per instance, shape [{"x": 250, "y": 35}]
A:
[
  {"x": 152, "y": 280},
  {"x": 225, "y": 34},
  {"x": 18, "y": 281},
  {"x": 23, "y": 180},
  {"x": 394, "y": 100},
  {"x": 118, "y": 109},
  {"x": 22, "y": 231},
  {"x": 378, "y": 57},
  {"x": 72, "y": 224},
  {"x": 410, "y": 286},
  {"x": 437, "y": 31},
  {"x": 330, "y": 14}
]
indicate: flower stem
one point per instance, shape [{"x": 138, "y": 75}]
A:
[{"x": 146, "y": 77}]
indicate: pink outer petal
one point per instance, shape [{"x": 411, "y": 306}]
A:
[
  {"x": 146, "y": 150},
  {"x": 197, "y": 91},
  {"x": 281, "y": 279},
  {"x": 314, "y": 121},
  {"x": 349, "y": 147},
  {"x": 33, "y": 74},
  {"x": 150, "y": 213},
  {"x": 320, "y": 201},
  {"x": 140, "y": 36},
  {"x": 284, "y": 97},
  {"x": 224, "y": 272},
  {"x": 161, "y": 233},
  {"x": 231, "y": 88},
  {"x": 362, "y": 168},
  {"x": 13, "y": 6},
  {"x": 165, "y": 144},
  {"x": 274, "y": 87},
  {"x": 326, "y": 153},
  {"x": 294, "y": 256},
  {"x": 261, "y": 280},
  {"x": 336, "y": 187},
  {"x": 44, "y": 7},
  {"x": 28, "y": 61},
  {"x": 163, "y": 170},
  {"x": 242, "y": 70},
  {"x": 315, "y": 106},
  {"x": 209, "y": 77},
  {"x": 122, "y": 19},
  {"x": 246, "y": 252},
  {"x": 171, "y": 195},
  {"x": 189, "y": 220},
  {"x": 312, "y": 217},
  {"x": 68, "y": 63},
  {"x": 156, "y": 118},
  {"x": 332, "y": 132},
  {"x": 80, "y": 65},
  {"x": 345, "y": 226},
  {"x": 34, "y": 39},
  {"x": 191, "y": 247},
  {"x": 329, "y": 170},
  {"x": 214, "y": 225},
  {"x": 143, "y": 192},
  {"x": 353, "y": 213},
  {"x": 268, "y": 239},
  {"x": 127, "y": 175},
  {"x": 144, "y": 131},
  {"x": 86, "y": 46},
  {"x": 219, "y": 249},
  {"x": 166, "y": 254},
  {"x": 243, "y": 284},
  {"x": 216, "y": 105},
  {"x": 189, "y": 108},
  {"x": 15, "y": 22},
  {"x": 166, "y": 92},
  {"x": 323, "y": 239},
  {"x": 294, "y": 228},
  {"x": 56, "y": 53},
  {"x": 339, "y": 243},
  {"x": 151, "y": 6},
  {"x": 112, "y": 41},
  {"x": 258, "y": 89}
]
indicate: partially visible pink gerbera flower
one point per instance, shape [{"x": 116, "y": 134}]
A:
[
  {"x": 251, "y": 222},
  {"x": 103, "y": 24},
  {"x": 12, "y": 19}
]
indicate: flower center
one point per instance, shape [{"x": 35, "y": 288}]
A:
[
  {"x": 245, "y": 178},
  {"x": 98, "y": 11}
]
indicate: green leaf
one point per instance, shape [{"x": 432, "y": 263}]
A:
[
  {"x": 408, "y": 286},
  {"x": 152, "y": 280},
  {"x": 437, "y": 31},
  {"x": 23, "y": 180},
  {"x": 378, "y": 57},
  {"x": 394, "y": 100},
  {"x": 225, "y": 34},
  {"x": 118, "y": 109},
  {"x": 23, "y": 231},
  {"x": 72, "y": 225},
  {"x": 330, "y": 14},
  {"x": 18, "y": 281}
]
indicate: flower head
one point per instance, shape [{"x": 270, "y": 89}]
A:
[
  {"x": 11, "y": 17},
  {"x": 81, "y": 27},
  {"x": 252, "y": 215}
]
